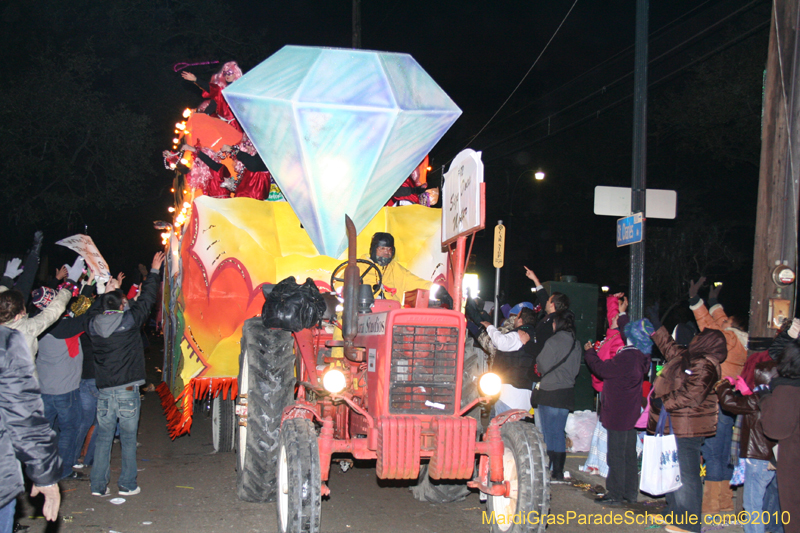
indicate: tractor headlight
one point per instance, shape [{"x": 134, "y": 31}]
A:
[
  {"x": 334, "y": 381},
  {"x": 490, "y": 384}
]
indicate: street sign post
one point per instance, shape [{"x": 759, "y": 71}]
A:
[
  {"x": 630, "y": 230},
  {"x": 498, "y": 255}
]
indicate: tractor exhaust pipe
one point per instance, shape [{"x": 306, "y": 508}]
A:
[{"x": 352, "y": 280}]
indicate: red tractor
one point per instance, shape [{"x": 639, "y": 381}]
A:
[{"x": 405, "y": 390}]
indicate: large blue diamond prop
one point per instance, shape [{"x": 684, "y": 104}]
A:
[{"x": 340, "y": 130}]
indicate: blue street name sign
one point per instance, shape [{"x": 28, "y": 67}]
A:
[{"x": 629, "y": 230}]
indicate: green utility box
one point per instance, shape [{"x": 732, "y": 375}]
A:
[{"x": 583, "y": 302}]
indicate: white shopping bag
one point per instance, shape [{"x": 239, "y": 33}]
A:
[{"x": 661, "y": 472}]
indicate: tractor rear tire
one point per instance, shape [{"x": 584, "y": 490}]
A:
[
  {"x": 223, "y": 424},
  {"x": 266, "y": 384},
  {"x": 525, "y": 467},
  {"x": 299, "y": 478},
  {"x": 431, "y": 491}
]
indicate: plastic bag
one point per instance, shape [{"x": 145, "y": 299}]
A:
[
  {"x": 579, "y": 428},
  {"x": 292, "y": 307},
  {"x": 661, "y": 472}
]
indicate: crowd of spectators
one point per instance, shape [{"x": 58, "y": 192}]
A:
[
  {"x": 730, "y": 413},
  {"x": 71, "y": 363}
]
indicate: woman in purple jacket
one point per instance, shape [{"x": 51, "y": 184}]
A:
[{"x": 622, "y": 378}]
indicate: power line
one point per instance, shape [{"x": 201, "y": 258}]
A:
[
  {"x": 654, "y": 35},
  {"x": 618, "y": 102},
  {"x": 620, "y": 79},
  {"x": 523, "y": 77},
  {"x": 606, "y": 86}
]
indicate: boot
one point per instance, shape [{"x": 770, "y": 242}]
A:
[
  {"x": 725, "y": 497},
  {"x": 550, "y": 455},
  {"x": 710, "y": 497},
  {"x": 559, "y": 458}
]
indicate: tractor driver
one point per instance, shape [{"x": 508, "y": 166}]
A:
[{"x": 396, "y": 278}]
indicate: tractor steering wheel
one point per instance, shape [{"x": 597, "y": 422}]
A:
[{"x": 370, "y": 266}]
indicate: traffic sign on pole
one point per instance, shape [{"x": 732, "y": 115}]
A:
[
  {"x": 499, "y": 245},
  {"x": 629, "y": 230}
]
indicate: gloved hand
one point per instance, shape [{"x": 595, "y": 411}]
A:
[
  {"x": 443, "y": 296},
  {"x": 38, "y": 238},
  {"x": 713, "y": 292},
  {"x": 13, "y": 268},
  {"x": 74, "y": 272},
  {"x": 652, "y": 315},
  {"x": 100, "y": 287},
  {"x": 742, "y": 387},
  {"x": 694, "y": 287}
]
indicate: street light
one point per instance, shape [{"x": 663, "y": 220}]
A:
[{"x": 538, "y": 175}]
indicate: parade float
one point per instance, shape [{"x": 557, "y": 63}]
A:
[{"x": 395, "y": 381}]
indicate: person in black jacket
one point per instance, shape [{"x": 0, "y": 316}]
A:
[
  {"x": 556, "y": 302},
  {"x": 25, "y": 434},
  {"x": 119, "y": 371}
]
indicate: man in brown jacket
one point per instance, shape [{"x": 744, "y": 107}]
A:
[{"x": 686, "y": 389}]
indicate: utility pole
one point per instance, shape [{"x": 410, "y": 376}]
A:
[
  {"x": 356, "y": 24},
  {"x": 774, "y": 290},
  {"x": 639, "y": 173}
]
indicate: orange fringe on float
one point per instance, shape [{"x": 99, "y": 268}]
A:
[{"x": 179, "y": 420}]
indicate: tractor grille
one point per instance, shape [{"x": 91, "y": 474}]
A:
[{"x": 423, "y": 371}]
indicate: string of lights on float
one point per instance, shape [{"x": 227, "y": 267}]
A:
[{"x": 179, "y": 217}]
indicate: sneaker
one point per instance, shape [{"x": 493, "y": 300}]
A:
[
  {"x": 676, "y": 529},
  {"x": 78, "y": 466},
  {"x": 80, "y": 476},
  {"x": 133, "y": 492},
  {"x": 104, "y": 493}
]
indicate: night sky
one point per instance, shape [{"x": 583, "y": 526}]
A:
[{"x": 571, "y": 117}]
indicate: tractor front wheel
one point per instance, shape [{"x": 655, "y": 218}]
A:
[
  {"x": 266, "y": 386},
  {"x": 525, "y": 468},
  {"x": 299, "y": 478}
]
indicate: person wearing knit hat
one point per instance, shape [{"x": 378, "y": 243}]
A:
[
  {"x": 59, "y": 365},
  {"x": 13, "y": 315},
  {"x": 622, "y": 377},
  {"x": 616, "y": 313},
  {"x": 42, "y": 297},
  {"x": 639, "y": 334}
]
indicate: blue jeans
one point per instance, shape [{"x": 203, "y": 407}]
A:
[
  {"x": 63, "y": 411},
  {"x": 112, "y": 405},
  {"x": 717, "y": 449},
  {"x": 772, "y": 505},
  {"x": 756, "y": 479},
  {"x": 687, "y": 501},
  {"x": 554, "y": 420},
  {"x": 7, "y": 516},
  {"x": 89, "y": 395}
]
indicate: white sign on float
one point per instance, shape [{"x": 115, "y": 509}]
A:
[
  {"x": 461, "y": 196},
  {"x": 85, "y": 247}
]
